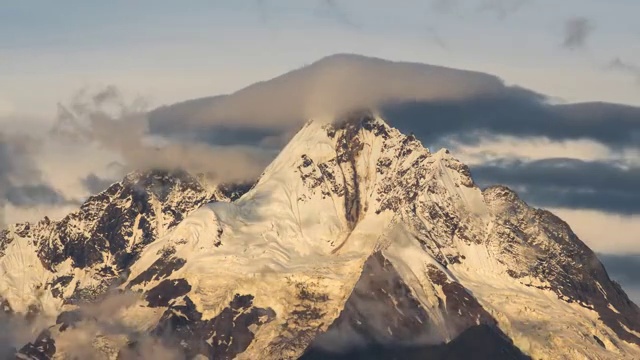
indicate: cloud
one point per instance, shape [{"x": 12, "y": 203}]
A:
[
  {"x": 434, "y": 35},
  {"x": 520, "y": 115},
  {"x": 338, "y": 13},
  {"x": 104, "y": 323},
  {"x": 326, "y": 8},
  {"x": 34, "y": 195},
  {"x": 432, "y": 102},
  {"x": 624, "y": 269},
  {"x": 501, "y": 8},
  {"x": 236, "y": 135},
  {"x": 567, "y": 183},
  {"x": 594, "y": 228},
  {"x": 15, "y": 331},
  {"x": 95, "y": 184},
  {"x": 535, "y": 148},
  {"x": 106, "y": 119},
  {"x": 444, "y": 6},
  {"x": 329, "y": 87},
  {"x": 576, "y": 32},
  {"x": 443, "y": 108},
  {"x": 619, "y": 65},
  {"x": 22, "y": 182}
]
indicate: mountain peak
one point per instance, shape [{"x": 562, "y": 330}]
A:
[{"x": 355, "y": 231}]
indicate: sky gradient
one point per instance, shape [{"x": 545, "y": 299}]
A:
[{"x": 168, "y": 51}]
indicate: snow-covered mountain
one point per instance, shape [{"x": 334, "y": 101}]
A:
[{"x": 356, "y": 242}]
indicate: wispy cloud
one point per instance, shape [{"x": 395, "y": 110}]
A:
[
  {"x": 501, "y": 8},
  {"x": 106, "y": 119},
  {"x": 631, "y": 69},
  {"x": 21, "y": 181},
  {"x": 338, "y": 12},
  {"x": 95, "y": 184},
  {"x": 434, "y": 35},
  {"x": 444, "y": 6},
  {"x": 576, "y": 32}
]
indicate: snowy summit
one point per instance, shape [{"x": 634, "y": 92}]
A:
[{"x": 355, "y": 242}]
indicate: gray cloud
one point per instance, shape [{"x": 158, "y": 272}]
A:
[
  {"x": 618, "y": 64},
  {"x": 327, "y": 8},
  {"x": 105, "y": 318},
  {"x": 440, "y": 106},
  {"x": 106, "y": 119},
  {"x": 34, "y": 195},
  {"x": 624, "y": 269},
  {"x": 433, "y": 102},
  {"x": 567, "y": 183},
  {"x": 331, "y": 86},
  {"x": 20, "y": 178},
  {"x": 338, "y": 13},
  {"x": 16, "y": 158},
  {"x": 519, "y": 115},
  {"x": 95, "y": 184},
  {"x": 434, "y": 35},
  {"x": 501, "y": 8},
  {"x": 576, "y": 32},
  {"x": 444, "y": 6}
]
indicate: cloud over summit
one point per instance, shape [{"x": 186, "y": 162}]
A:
[{"x": 439, "y": 105}]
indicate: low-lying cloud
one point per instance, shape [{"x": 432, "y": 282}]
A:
[
  {"x": 102, "y": 324},
  {"x": 21, "y": 181}
]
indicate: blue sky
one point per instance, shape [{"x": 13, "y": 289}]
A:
[{"x": 168, "y": 51}]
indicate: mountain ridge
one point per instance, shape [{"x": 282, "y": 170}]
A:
[{"x": 351, "y": 216}]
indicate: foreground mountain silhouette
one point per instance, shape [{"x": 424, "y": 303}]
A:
[{"x": 355, "y": 242}]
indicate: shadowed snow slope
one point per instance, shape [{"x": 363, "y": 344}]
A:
[{"x": 356, "y": 242}]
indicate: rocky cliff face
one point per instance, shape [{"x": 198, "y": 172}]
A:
[
  {"x": 81, "y": 256},
  {"x": 356, "y": 242}
]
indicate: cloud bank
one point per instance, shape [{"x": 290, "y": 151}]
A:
[
  {"x": 441, "y": 106},
  {"x": 569, "y": 183},
  {"x": 106, "y": 119},
  {"x": 234, "y": 136}
]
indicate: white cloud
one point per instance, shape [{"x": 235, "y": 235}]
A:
[
  {"x": 606, "y": 233},
  {"x": 538, "y": 148}
]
